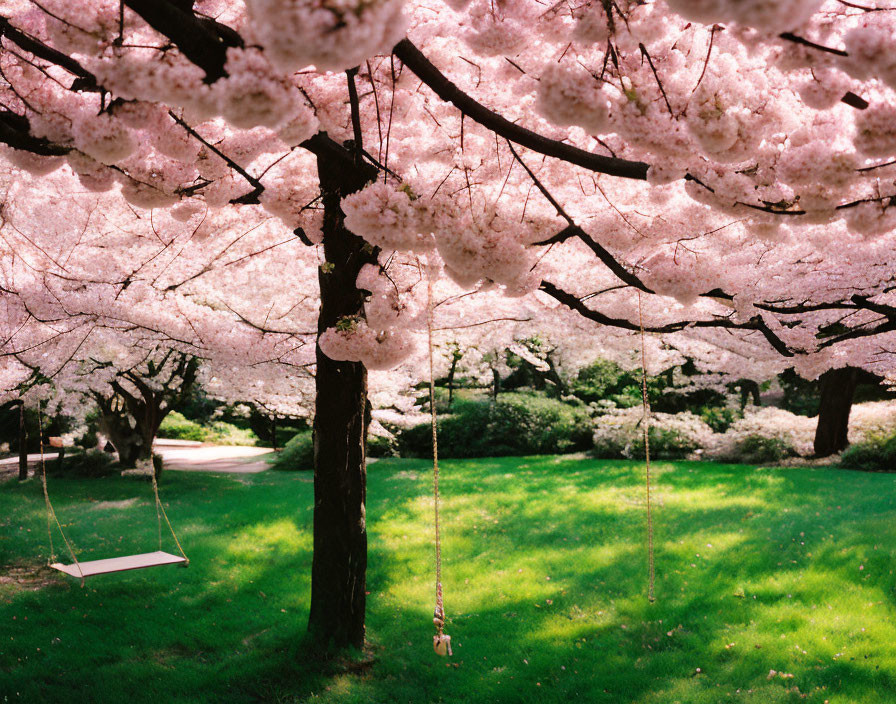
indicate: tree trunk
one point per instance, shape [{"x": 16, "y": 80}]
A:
[
  {"x": 749, "y": 392},
  {"x": 263, "y": 425},
  {"x": 496, "y": 383},
  {"x": 131, "y": 444},
  {"x": 837, "y": 389},
  {"x": 554, "y": 375},
  {"x": 127, "y": 442},
  {"x": 23, "y": 444},
  {"x": 339, "y": 564},
  {"x": 452, "y": 370}
]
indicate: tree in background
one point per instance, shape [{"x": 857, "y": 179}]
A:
[{"x": 134, "y": 402}]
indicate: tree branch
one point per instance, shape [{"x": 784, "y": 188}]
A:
[
  {"x": 197, "y": 39},
  {"x": 87, "y": 81},
  {"x": 790, "y": 37},
  {"x": 15, "y": 131},
  {"x": 414, "y": 59},
  {"x": 574, "y": 303}
]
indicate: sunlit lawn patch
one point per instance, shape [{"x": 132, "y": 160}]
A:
[{"x": 758, "y": 570}]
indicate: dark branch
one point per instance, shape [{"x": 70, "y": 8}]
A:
[
  {"x": 355, "y": 111},
  {"x": 15, "y": 131},
  {"x": 574, "y": 303},
  {"x": 86, "y": 80},
  {"x": 790, "y": 37},
  {"x": 196, "y": 38},
  {"x": 414, "y": 59},
  {"x": 254, "y": 182},
  {"x": 656, "y": 76},
  {"x": 854, "y": 101},
  {"x": 608, "y": 259}
]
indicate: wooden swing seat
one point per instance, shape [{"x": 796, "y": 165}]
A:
[{"x": 120, "y": 564}]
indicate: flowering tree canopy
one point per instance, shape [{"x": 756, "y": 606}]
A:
[
  {"x": 750, "y": 161},
  {"x": 718, "y": 170}
]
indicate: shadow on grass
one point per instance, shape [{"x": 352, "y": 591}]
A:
[{"x": 757, "y": 570}]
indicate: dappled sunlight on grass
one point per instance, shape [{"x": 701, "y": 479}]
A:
[{"x": 784, "y": 570}]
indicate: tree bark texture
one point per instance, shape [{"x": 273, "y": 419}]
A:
[
  {"x": 838, "y": 387},
  {"x": 23, "y": 444},
  {"x": 339, "y": 564}
]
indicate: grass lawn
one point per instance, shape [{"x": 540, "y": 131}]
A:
[{"x": 788, "y": 570}]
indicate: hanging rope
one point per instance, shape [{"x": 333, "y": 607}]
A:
[
  {"x": 160, "y": 511},
  {"x": 645, "y": 428},
  {"x": 51, "y": 512},
  {"x": 155, "y": 491},
  {"x": 441, "y": 642}
]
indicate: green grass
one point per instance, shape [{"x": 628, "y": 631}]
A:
[{"x": 757, "y": 569}]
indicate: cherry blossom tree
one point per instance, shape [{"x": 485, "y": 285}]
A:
[
  {"x": 142, "y": 395},
  {"x": 720, "y": 171}
]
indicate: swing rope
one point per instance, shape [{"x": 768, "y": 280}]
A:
[
  {"x": 441, "y": 642},
  {"x": 160, "y": 512},
  {"x": 51, "y": 512},
  {"x": 645, "y": 429}
]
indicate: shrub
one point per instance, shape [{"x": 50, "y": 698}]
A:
[
  {"x": 719, "y": 418},
  {"x": 872, "y": 420},
  {"x": 758, "y": 449},
  {"x": 297, "y": 455},
  {"x": 90, "y": 464},
  {"x": 877, "y": 453},
  {"x": 222, "y": 433},
  {"x": 176, "y": 426},
  {"x": 515, "y": 424},
  {"x": 600, "y": 379},
  {"x": 620, "y": 435},
  {"x": 764, "y": 435},
  {"x": 381, "y": 446}
]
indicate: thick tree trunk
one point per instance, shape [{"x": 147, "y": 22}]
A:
[
  {"x": 837, "y": 389},
  {"x": 339, "y": 565},
  {"x": 749, "y": 393},
  {"x": 127, "y": 441},
  {"x": 264, "y": 425},
  {"x": 23, "y": 444},
  {"x": 132, "y": 444}
]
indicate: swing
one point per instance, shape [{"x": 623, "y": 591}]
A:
[
  {"x": 92, "y": 568},
  {"x": 119, "y": 564}
]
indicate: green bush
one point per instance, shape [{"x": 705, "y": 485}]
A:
[
  {"x": 601, "y": 379},
  {"x": 90, "y": 464},
  {"x": 177, "y": 427},
  {"x": 222, "y": 433},
  {"x": 758, "y": 449},
  {"x": 379, "y": 446},
  {"x": 515, "y": 424},
  {"x": 297, "y": 455},
  {"x": 665, "y": 444},
  {"x": 876, "y": 453},
  {"x": 719, "y": 418}
]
